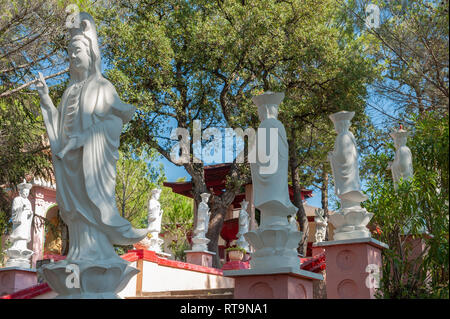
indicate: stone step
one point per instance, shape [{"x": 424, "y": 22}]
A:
[{"x": 217, "y": 293}]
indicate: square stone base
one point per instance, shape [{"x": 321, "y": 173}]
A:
[
  {"x": 281, "y": 283},
  {"x": 13, "y": 279},
  {"x": 354, "y": 268},
  {"x": 202, "y": 258}
]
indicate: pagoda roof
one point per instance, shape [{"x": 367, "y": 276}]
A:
[{"x": 215, "y": 176}]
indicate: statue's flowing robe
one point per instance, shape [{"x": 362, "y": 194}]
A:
[
  {"x": 402, "y": 165},
  {"x": 273, "y": 188},
  {"x": 85, "y": 177},
  {"x": 344, "y": 163}
]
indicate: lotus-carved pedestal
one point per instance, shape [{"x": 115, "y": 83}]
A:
[
  {"x": 19, "y": 257},
  {"x": 351, "y": 223},
  {"x": 88, "y": 279},
  {"x": 274, "y": 247}
]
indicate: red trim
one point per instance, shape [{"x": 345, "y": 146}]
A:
[
  {"x": 151, "y": 256},
  {"x": 315, "y": 264},
  {"x": 29, "y": 292}
]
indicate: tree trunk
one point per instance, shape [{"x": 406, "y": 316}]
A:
[
  {"x": 301, "y": 214},
  {"x": 218, "y": 211}
]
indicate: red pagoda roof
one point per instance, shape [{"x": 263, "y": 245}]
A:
[{"x": 215, "y": 176}]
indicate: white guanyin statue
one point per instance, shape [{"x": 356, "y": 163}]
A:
[
  {"x": 22, "y": 216},
  {"x": 275, "y": 241},
  {"x": 84, "y": 133},
  {"x": 401, "y": 167},
  {"x": 199, "y": 240},
  {"x": 351, "y": 220},
  {"x": 244, "y": 220},
  {"x": 321, "y": 225}
]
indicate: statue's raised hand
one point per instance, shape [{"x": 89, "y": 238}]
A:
[{"x": 41, "y": 85}]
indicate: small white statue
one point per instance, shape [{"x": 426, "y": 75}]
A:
[
  {"x": 244, "y": 219},
  {"x": 155, "y": 212},
  {"x": 22, "y": 216},
  {"x": 321, "y": 225},
  {"x": 154, "y": 221},
  {"x": 200, "y": 241},
  {"x": 401, "y": 167}
]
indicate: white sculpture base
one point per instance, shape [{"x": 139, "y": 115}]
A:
[
  {"x": 200, "y": 244},
  {"x": 274, "y": 247},
  {"x": 88, "y": 279},
  {"x": 350, "y": 223},
  {"x": 20, "y": 258}
]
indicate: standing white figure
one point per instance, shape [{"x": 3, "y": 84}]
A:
[
  {"x": 84, "y": 133},
  {"x": 321, "y": 225},
  {"x": 401, "y": 167},
  {"x": 351, "y": 220},
  {"x": 154, "y": 220},
  {"x": 275, "y": 241},
  {"x": 200, "y": 241},
  {"x": 244, "y": 220},
  {"x": 22, "y": 216}
]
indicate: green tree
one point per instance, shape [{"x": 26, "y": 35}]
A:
[
  {"x": 136, "y": 176},
  {"x": 177, "y": 221}
]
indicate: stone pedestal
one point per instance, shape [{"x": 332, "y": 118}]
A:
[
  {"x": 13, "y": 279},
  {"x": 202, "y": 258},
  {"x": 276, "y": 283},
  {"x": 354, "y": 267}
]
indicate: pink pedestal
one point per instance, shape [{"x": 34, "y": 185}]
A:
[
  {"x": 13, "y": 279},
  {"x": 202, "y": 258},
  {"x": 279, "y": 284},
  {"x": 352, "y": 267}
]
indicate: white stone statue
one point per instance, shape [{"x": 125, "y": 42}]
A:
[
  {"x": 154, "y": 220},
  {"x": 351, "y": 220},
  {"x": 321, "y": 225},
  {"x": 84, "y": 134},
  {"x": 401, "y": 167},
  {"x": 244, "y": 220},
  {"x": 275, "y": 241},
  {"x": 22, "y": 216},
  {"x": 200, "y": 241}
]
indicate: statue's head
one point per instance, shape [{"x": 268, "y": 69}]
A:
[
  {"x": 267, "y": 104},
  {"x": 205, "y": 197},
  {"x": 341, "y": 120},
  {"x": 244, "y": 204},
  {"x": 84, "y": 53},
  {"x": 156, "y": 193},
  {"x": 24, "y": 189},
  {"x": 399, "y": 136}
]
